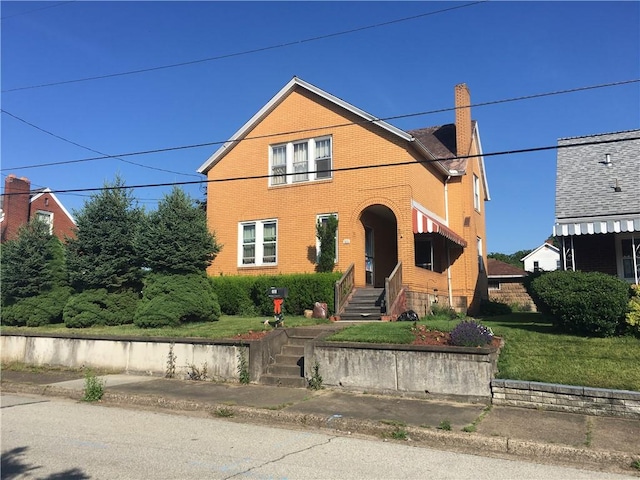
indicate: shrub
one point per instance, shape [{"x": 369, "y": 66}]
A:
[
  {"x": 490, "y": 308},
  {"x": 99, "y": 307},
  {"x": 582, "y": 303},
  {"x": 42, "y": 309},
  {"x": 241, "y": 295},
  {"x": 169, "y": 300},
  {"x": 443, "y": 310},
  {"x": 470, "y": 333},
  {"x": 633, "y": 315}
]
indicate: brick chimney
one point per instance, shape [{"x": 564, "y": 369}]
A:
[
  {"x": 463, "y": 120},
  {"x": 15, "y": 205}
]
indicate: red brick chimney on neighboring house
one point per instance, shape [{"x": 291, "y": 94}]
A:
[
  {"x": 464, "y": 128},
  {"x": 15, "y": 205}
]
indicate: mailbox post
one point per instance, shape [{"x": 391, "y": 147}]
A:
[{"x": 277, "y": 295}]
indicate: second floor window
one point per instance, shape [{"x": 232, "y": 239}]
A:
[{"x": 300, "y": 161}]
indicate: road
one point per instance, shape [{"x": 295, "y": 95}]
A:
[{"x": 57, "y": 438}]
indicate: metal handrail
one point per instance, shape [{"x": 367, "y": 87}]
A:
[{"x": 343, "y": 288}]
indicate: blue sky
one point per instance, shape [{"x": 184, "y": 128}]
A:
[{"x": 501, "y": 50}]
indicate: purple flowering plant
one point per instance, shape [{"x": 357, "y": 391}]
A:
[{"x": 470, "y": 333}]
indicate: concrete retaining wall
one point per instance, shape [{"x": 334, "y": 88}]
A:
[
  {"x": 566, "y": 398},
  {"x": 440, "y": 371},
  {"x": 125, "y": 354}
]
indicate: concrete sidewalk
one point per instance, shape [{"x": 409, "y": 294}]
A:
[{"x": 586, "y": 441}]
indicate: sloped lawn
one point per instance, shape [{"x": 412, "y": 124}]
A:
[{"x": 533, "y": 351}]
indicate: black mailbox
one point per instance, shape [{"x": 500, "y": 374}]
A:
[{"x": 274, "y": 292}]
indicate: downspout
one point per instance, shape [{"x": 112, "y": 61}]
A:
[{"x": 446, "y": 217}]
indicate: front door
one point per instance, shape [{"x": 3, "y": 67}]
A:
[{"x": 369, "y": 256}]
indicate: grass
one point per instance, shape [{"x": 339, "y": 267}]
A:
[
  {"x": 226, "y": 327},
  {"x": 533, "y": 350}
]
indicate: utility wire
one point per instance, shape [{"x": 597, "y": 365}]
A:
[
  {"x": 365, "y": 122},
  {"x": 96, "y": 151},
  {"x": 36, "y": 10},
  {"x": 246, "y": 52},
  {"x": 347, "y": 169}
]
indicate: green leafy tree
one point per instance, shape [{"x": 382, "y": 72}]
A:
[
  {"x": 326, "y": 234},
  {"x": 512, "y": 259},
  {"x": 175, "y": 238},
  {"x": 32, "y": 263},
  {"x": 103, "y": 254}
]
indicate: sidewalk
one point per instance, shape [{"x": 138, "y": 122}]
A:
[{"x": 579, "y": 440}]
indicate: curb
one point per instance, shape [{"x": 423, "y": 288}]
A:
[{"x": 503, "y": 447}]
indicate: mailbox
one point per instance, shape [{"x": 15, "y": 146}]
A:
[{"x": 274, "y": 292}]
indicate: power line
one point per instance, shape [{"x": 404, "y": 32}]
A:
[
  {"x": 307, "y": 130},
  {"x": 346, "y": 169},
  {"x": 246, "y": 52},
  {"x": 93, "y": 150},
  {"x": 36, "y": 10}
]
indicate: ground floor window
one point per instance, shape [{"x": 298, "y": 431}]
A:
[
  {"x": 630, "y": 258},
  {"x": 257, "y": 243},
  {"x": 423, "y": 252}
]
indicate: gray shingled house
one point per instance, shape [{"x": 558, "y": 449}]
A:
[{"x": 598, "y": 203}]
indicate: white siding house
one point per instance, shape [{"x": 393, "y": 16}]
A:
[{"x": 546, "y": 257}]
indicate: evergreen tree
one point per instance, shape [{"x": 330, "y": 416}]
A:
[
  {"x": 32, "y": 263},
  {"x": 326, "y": 233},
  {"x": 103, "y": 254},
  {"x": 175, "y": 238}
]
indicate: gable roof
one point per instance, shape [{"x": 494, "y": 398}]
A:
[
  {"x": 446, "y": 167},
  {"x": 544, "y": 246},
  {"x": 497, "y": 268},
  {"x": 35, "y": 194},
  {"x": 587, "y": 200}
]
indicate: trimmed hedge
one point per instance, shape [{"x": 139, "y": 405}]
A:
[
  {"x": 100, "y": 307},
  {"x": 43, "y": 309},
  {"x": 169, "y": 300},
  {"x": 582, "y": 303},
  {"x": 241, "y": 294}
]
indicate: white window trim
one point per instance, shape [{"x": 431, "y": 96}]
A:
[
  {"x": 312, "y": 176},
  {"x": 481, "y": 265},
  {"x": 321, "y": 217},
  {"x": 476, "y": 192},
  {"x": 49, "y": 220},
  {"x": 259, "y": 243}
]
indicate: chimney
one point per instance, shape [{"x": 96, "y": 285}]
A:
[
  {"x": 463, "y": 120},
  {"x": 15, "y": 205}
]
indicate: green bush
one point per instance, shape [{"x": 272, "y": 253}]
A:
[
  {"x": 43, "y": 309},
  {"x": 582, "y": 303},
  {"x": 169, "y": 300},
  {"x": 633, "y": 314},
  {"x": 240, "y": 295},
  {"x": 100, "y": 307}
]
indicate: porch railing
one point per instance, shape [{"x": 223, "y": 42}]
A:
[
  {"x": 393, "y": 286},
  {"x": 343, "y": 288}
]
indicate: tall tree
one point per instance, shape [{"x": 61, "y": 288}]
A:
[
  {"x": 175, "y": 238},
  {"x": 103, "y": 254},
  {"x": 32, "y": 263}
]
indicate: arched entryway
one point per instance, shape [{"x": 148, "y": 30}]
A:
[{"x": 380, "y": 228}]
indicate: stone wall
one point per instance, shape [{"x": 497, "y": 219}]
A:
[{"x": 566, "y": 398}]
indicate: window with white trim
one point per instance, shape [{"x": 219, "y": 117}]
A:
[
  {"x": 257, "y": 243},
  {"x": 630, "y": 258},
  {"x": 323, "y": 219},
  {"x": 480, "y": 257},
  {"x": 300, "y": 161},
  {"x": 476, "y": 192},
  {"x": 45, "y": 217}
]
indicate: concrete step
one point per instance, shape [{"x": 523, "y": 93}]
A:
[
  {"x": 282, "y": 359},
  {"x": 283, "y": 381},
  {"x": 280, "y": 370},
  {"x": 354, "y": 317},
  {"x": 289, "y": 349}
]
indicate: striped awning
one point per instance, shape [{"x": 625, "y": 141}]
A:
[
  {"x": 566, "y": 229},
  {"x": 423, "y": 223}
]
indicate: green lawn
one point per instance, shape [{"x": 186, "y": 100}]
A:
[
  {"x": 532, "y": 350},
  {"x": 226, "y": 327}
]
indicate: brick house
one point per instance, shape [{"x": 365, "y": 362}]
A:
[
  {"x": 598, "y": 204},
  {"x": 506, "y": 285},
  {"x": 410, "y": 204},
  {"x": 20, "y": 204}
]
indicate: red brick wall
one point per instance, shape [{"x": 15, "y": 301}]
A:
[
  {"x": 63, "y": 226},
  {"x": 15, "y": 205},
  {"x": 595, "y": 253}
]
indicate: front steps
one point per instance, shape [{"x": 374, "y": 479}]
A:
[
  {"x": 288, "y": 368},
  {"x": 364, "y": 305}
]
